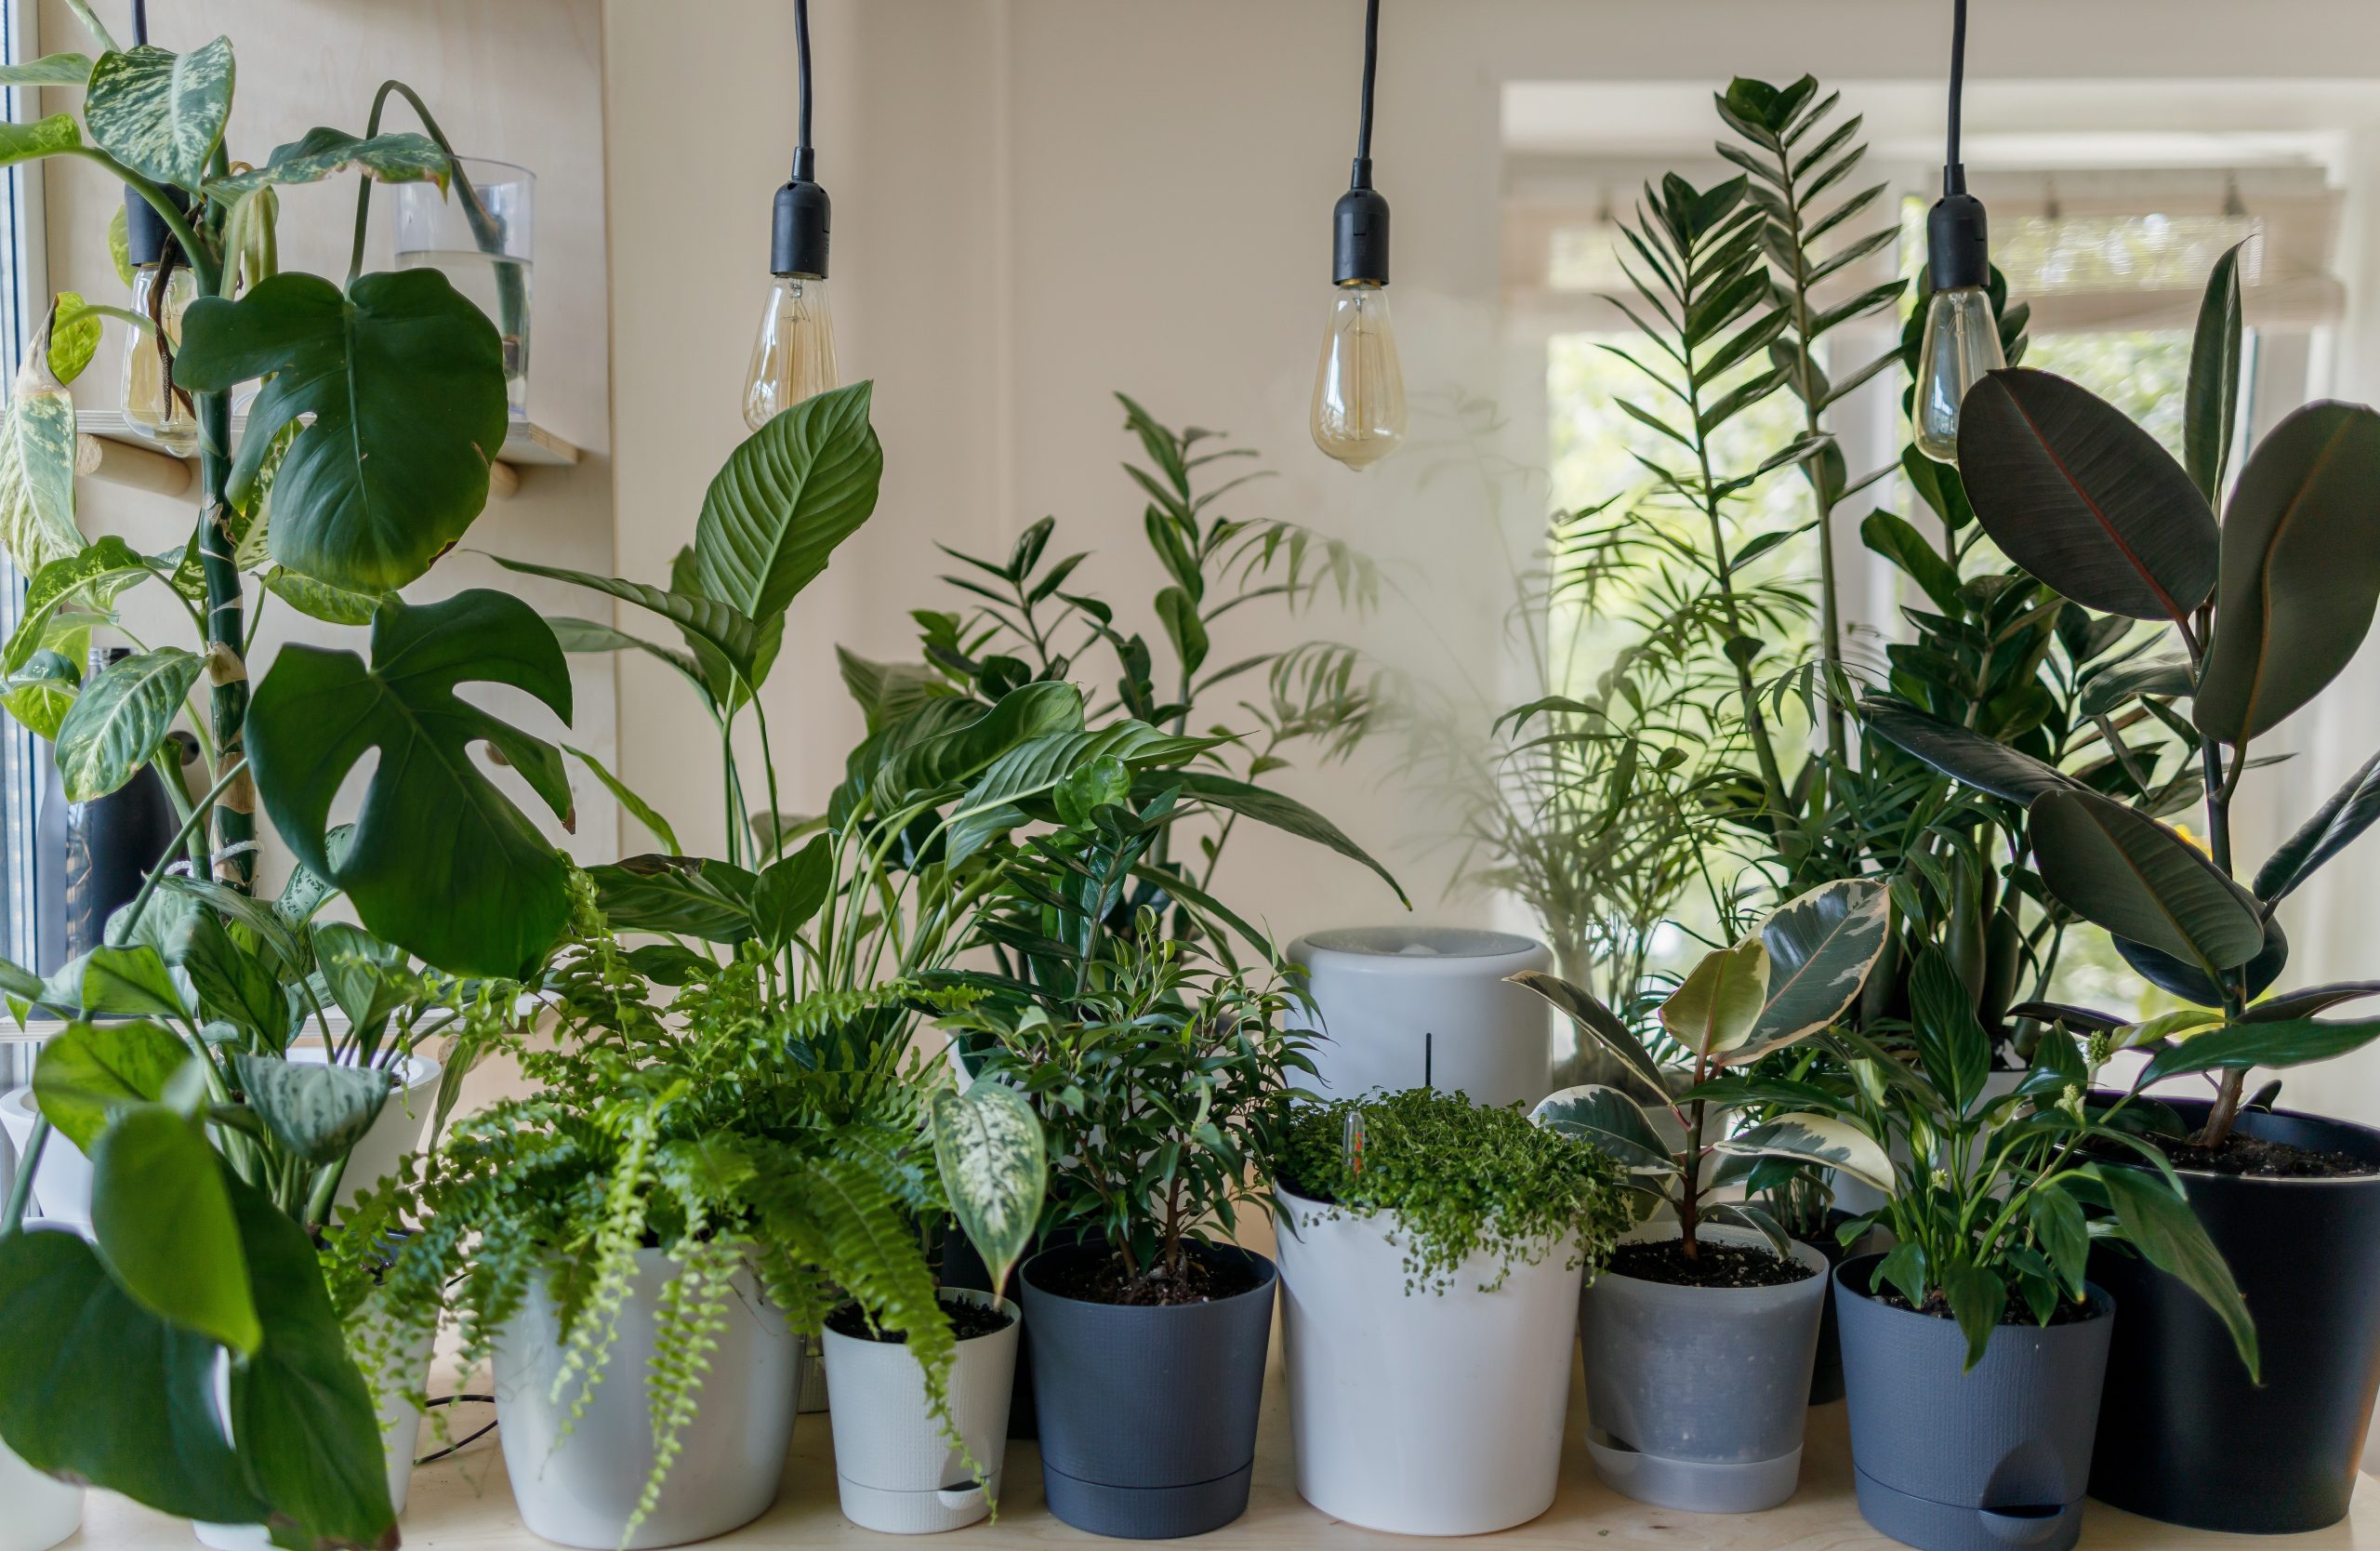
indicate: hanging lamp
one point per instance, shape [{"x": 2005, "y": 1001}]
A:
[
  {"x": 1962, "y": 335},
  {"x": 1358, "y": 413},
  {"x": 793, "y": 353}
]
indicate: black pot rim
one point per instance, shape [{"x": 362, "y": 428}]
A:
[
  {"x": 2282, "y": 1181},
  {"x": 1268, "y": 1274},
  {"x": 2103, "y": 1303}
]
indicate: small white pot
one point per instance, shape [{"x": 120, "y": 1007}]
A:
[
  {"x": 577, "y": 1485},
  {"x": 62, "y": 1184},
  {"x": 1426, "y": 1006},
  {"x": 400, "y": 1436},
  {"x": 895, "y": 1471},
  {"x": 1423, "y": 1413}
]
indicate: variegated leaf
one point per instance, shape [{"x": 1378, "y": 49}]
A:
[
  {"x": 1609, "y": 1120},
  {"x": 394, "y": 158},
  {"x": 1745, "y": 1214},
  {"x": 1820, "y": 948},
  {"x": 120, "y": 718},
  {"x": 1817, "y": 1139},
  {"x": 50, "y": 70},
  {"x": 40, "y": 694},
  {"x": 46, "y": 137},
  {"x": 159, "y": 112},
  {"x": 1714, "y": 1008},
  {"x": 987, "y": 1145},
  {"x": 37, "y": 468},
  {"x": 73, "y": 336}
]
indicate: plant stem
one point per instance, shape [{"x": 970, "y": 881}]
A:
[
  {"x": 20, "y": 1189},
  {"x": 226, "y": 669}
]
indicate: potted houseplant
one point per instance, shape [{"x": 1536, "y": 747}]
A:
[
  {"x": 2265, "y": 609},
  {"x": 1161, "y": 1088},
  {"x": 1974, "y": 1349},
  {"x": 1431, "y": 1251},
  {"x": 1701, "y": 1333}
]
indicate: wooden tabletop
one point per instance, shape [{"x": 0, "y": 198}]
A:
[{"x": 462, "y": 1503}]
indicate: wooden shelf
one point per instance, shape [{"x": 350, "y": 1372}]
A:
[
  {"x": 106, "y": 448},
  {"x": 463, "y": 1503}
]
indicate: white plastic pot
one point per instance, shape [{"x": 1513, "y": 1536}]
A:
[
  {"x": 1423, "y": 1413},
  {"x": 62, "y": 1184},
  {"x": 579, "y": 1484},
  {"x": 400, "y": 1436},
  {"x": 1426, "y": 1007},
  {"x": 895, "y": 1471}
]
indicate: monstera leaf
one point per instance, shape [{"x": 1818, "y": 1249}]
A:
[
  {"x": 403, "y": 381},
  {"x": 791, "y": 492},
  {"x": 440, "y": 862},
  {"x": 159, "y": 112},
  {"x": 390, "y": 158}
]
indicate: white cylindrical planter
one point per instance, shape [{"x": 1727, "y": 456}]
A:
[
  {"x": 1426, "y": 1006},
  {"x": 37, "y": 1511},
  {"x": 1421, "y": 1413},
  {"x": 894, "y": 1470},
  {"x": 62, "y": 1184},
  {"x": 577, "y": 1485}
]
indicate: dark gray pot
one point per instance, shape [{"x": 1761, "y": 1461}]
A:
[
  {"x": 1147, "y": 1415},
  {"x": 1981, "y": 1461}
]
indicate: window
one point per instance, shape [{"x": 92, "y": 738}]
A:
[{"x": 22, "y": 758}]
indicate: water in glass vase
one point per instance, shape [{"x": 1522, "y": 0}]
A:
[{"x": 499, "y": 287}]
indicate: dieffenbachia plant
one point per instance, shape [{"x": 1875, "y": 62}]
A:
[
  {"x": 1793, "y": 977},
  {"x": 2266, "y": 607}
]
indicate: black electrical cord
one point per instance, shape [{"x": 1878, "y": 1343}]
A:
[
  {"x": 1359, "y": 222},
  {"x": 802, "y": 75},
  {"x": 1364, "y": 115},
  {"x": 1954, "y": 177},
  {"x": 462, "y": 1443},
  {"x": 140, "y": 22}
]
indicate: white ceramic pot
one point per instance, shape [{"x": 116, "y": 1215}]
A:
[
  {"x": 1426, "y": 1006},
  {"x": 395, "y": 1131},
  {"x": 407, "y": 1373},
  {"x": 577, "y": 1485},
  {"x": 62, "y": 1184},
  {"x": 1423, "y": 1413},
  {"x": 894, "y": 1469}
]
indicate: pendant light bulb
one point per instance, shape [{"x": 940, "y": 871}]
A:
[
  {"x": 1959, "y": 343},
  {"x": 1358, "y": 415},
  {"x": 793, "y": 351}
]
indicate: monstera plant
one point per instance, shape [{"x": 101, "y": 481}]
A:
[{"x": 215, "y": 1158}]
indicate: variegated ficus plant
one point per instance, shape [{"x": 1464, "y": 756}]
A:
[
  {"x": 379, "y": 403},
  {"x": 1780, "y": 985}
]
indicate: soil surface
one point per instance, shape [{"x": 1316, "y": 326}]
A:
[
  {"x": 2018, "y": 1312},
  {"x": 1713, "y": 1266},
  {"x": 1099, "y": 1279},
  {"x": 2255, "y": 1157},
  {"x": 967, "y": 1323}
]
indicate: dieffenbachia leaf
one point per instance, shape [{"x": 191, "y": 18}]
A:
[
  {"x": 159, "y": 112},
  {"x": 988, "y": 1149},
  {"x": 120, "y": 719},
  {"x": 391, "y": 158},
  {"x": 37, "y": 468}
]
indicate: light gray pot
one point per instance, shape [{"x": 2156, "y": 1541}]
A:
[
  {"x": 894, "y": 1470},
  {"x": 1696, "y": 1395},
  {"x": 577, "y": 1484}
]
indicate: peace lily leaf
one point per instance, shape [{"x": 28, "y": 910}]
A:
[
  {"x": 120, "y": 718},
  {"x": 2301, "y": 570},
  {"x": 2132, "y": 875},
  {"x": 89, "y": 1072},
  {"x": 643, "y": 812},
  {"x": 403, "y": 380},
  {"x": 1978, "y": 1298},
  {"x": 1951, "y": 1045},
  {"x": 310, "y": 1437},
  {"x": 1817, "y": 1139},
  {"x": 886, "y": 691},
  {"x": 1282, "y": 812},
  {"x": 74, "y": 337},
  {"x": 46, "y": 137},
  {"x": 988, "y": 1147},
  {"x": 159, "y": 112},
  {"x": 50, "y": 70},
  {"x": 392, "y": 158},
  {"x": 788, "y": 495},
  {"x": 99, "y": 572},
  {"x": 946, "y": 758},
  {"x": 2346, "y": 813},
  {"x": 1820, "y": 948},
  {"x": 320, "y": 600},
  {"x": 2166, "y": 1026},
  {"x": 2064, "y": 1235},
  {"x": 442, "y": 863},
  {"x": 577, "y": 635},
  {"x": 316, "y": 1110},
  {"x": 686, "y": 896},
  {"x": 94, "y": 1386},
  {"x": 1609, "y": 1120},
  {"x": 1960, "y": 753},
  {"x": 37, "y": 468},
  {"x": 789, "y": 893},
  {"x": 163, "y": 1223},
  {"x": 2282, "y": 1043},
  {"x": 2160, "y": 1224},
  {"x": 2087, "y": 501},
  {"x": 724, "y": 629},
  {"x": 1598, "y": 1022},
  {"x": 1713, "y": 1010},
  {"x": 2211, "y": 403}
]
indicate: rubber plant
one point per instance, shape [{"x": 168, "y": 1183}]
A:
[
  {"x": 365, "y": 455},
  {"x": 2266, "y": 608}
]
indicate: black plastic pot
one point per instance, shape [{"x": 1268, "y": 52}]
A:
[
  {"x": 2186, "y": 1437},
  {"x": 1978, "y": 1461},
  {"x": 1147, "y": 1415}
]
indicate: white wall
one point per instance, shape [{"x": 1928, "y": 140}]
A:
[{"x": 1039, "y": 201}]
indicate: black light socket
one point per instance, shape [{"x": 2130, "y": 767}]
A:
[
  {"x": 1359, "y": 233},
  {"x": 802, "y": 222},
  {"x": 145, "y": 232},
  {"x": 1958, "y": 246}
]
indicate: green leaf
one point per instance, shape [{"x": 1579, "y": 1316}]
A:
[
  {"x": 317, "y": 1110},
  {"x": 2122, "y": 870},
  {"x": 1952, "y": 1049},
  {"x": 364, "y": 976},
  {"x": 1271, "y": 808},
  {"x": 2301, "y": 570},
  {"x": 789, "y": 892},
  {"x": 99, "y": 572},
  {"x": 442, "y": 863},
  {"x": 94, "y": 1386},
  {"x": 788, "y": 494},
  {"x": 988, "y": 1147},
  {"x": 1977, "y": 1299},
  {"x": 73, "y": 336},
  {"x": 234, "y": 985},
  {"x": 1819, "y": 1140},
  {"x": 120, "y": 247},
  {"x": 320, "y": 600},
  {"x": 50, "y": 70},
  {"x": 643, "y": 812},
  {"x": 1102, "y": 783},
  {"x": 1962, "y": 754},
  {"x": 2276, "y": 1042},
  {"x": 2159, "y": 1223},
  {"x": 886, "y": 691},
  {"x": 1037, "y": 764},
  {"x": 1025, "y": 718},
  {"x": 163, "y": 1223},
  {"x": 2085, "y": 499},
  {"x": 1715, "y": 1007},
  {"x": 725, "y": 630},
  {"x": 1599, "y": 1022},
  {"x": 2112, "y": 687},
  {"x": 113, "y": 982},
  {"x": 2309, "y": 1001},
  {"x": 90, "y": 1072},
  {"x": 403, "y": 380},
  {"x": 37, "y": 468},
  {"x": 392, "y": 158},
  {"x": 1607, "y": 1121},
  {"x": 2211, "y": 403},
  {"x": 159, "y": 112},
  {"x": 2348, "y": 812},
  {"x": 681, "y": 895},
  {"x": 1892, "y": 538},
  {"x": 46, "y": 137},
  {"x": 1820, "y": 948},
  {"x": 2059, "y": 1228},
  {"x": 120, "y": 718},
  {"x": 40, "y": 694},
  {"x": 1179, "y": 614}
]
